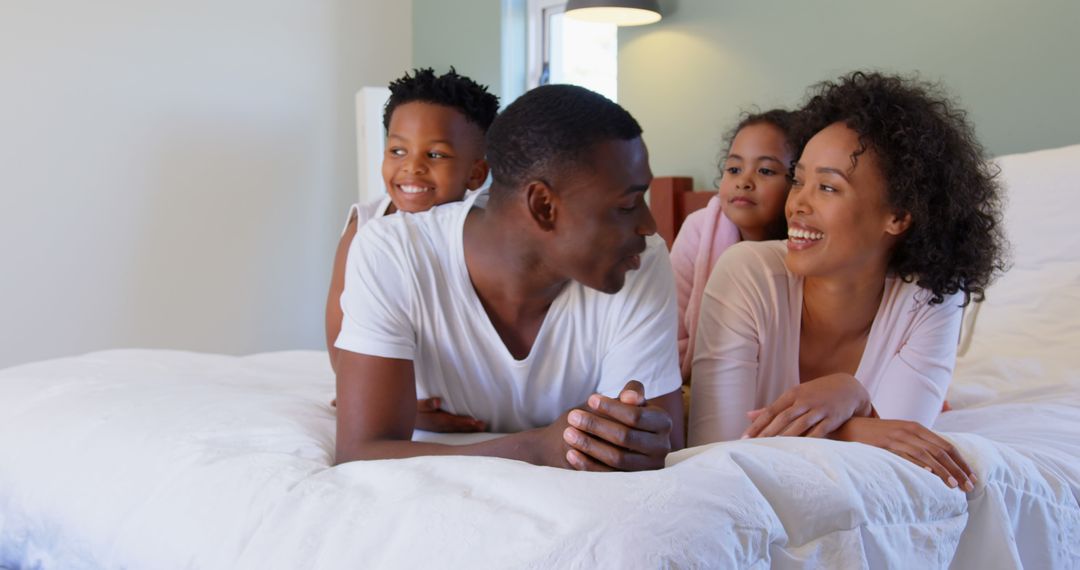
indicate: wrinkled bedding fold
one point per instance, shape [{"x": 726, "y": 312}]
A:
[{"x": 166, "y": 459}]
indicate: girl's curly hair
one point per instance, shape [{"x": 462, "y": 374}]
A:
[
  {"x": 782, "y": 119},
  {"x": 934, "y": 169}
]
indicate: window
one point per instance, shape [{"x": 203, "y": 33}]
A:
[{"x": 565, "y": 50}]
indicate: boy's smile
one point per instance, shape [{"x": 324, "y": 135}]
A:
[{"x": 411, "y": 189}]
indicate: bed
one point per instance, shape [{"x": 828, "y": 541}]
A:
[{"x": 167, "y": 459}]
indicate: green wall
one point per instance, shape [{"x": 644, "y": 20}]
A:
[
  {"x": 1015, "y": 66},
  {"x": 468, "y": 35}
]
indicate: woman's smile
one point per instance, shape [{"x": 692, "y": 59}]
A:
[{"x": 802, "y": 237}]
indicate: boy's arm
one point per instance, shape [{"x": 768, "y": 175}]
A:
[{"x": 337, "y": 286}]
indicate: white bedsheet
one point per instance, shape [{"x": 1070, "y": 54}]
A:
[{"x": 162, "y": 459}]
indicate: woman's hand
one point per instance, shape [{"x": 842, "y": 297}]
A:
[
  {"x": 913, "y": 442},
  {"x": 814, "y": 409}
]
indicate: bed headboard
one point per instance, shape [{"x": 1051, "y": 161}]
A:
[{"x": 671, "y": 199}]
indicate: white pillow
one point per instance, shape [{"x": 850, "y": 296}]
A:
[
  {"x": 1027, "y": 331},
  {"x": 1040, "y": 215}
]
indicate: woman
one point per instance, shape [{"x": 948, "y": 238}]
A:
[{"x": 849, "y": 328}]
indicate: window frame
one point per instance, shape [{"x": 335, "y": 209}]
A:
[{"x": 538, "y": 37}]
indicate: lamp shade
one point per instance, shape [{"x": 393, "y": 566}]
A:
[{"x": 618, "y": 12}]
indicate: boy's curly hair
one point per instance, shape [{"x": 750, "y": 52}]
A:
[
  {"x": 934, "y": 169},
  {"x": 449, "y": 90}
]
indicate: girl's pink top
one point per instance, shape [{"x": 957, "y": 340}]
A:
[
  {"x": 747, "y": 345},
  {"x": 704, "y": 235}
]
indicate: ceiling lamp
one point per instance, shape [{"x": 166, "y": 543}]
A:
[{"x": 618, "y": 12}]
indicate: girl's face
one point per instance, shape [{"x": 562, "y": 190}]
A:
[
  {"x": 754, "y": 182},
  {"x": 838, "y": 216}
]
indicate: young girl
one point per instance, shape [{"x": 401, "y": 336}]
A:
[
  {"x": 749, "y": 206},
  {"x": 435, "y": 128},
  {"x": 849, "y": 328}
]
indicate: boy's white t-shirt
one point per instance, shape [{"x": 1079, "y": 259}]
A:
[
  {"x": 377, "y": 208},
  {"x": 408, "y": 296},
  {"x": 367, "y": 212}
]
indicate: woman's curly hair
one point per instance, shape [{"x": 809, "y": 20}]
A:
[{"x": 934, "y": 169}]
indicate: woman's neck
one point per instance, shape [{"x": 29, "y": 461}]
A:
[{"x": 842, "y": 308}]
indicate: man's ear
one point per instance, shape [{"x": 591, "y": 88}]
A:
[
  {"x": 898, "y": 223},
  {"x": 478, "y": 174},
  {"x": 541, "y": 201}
]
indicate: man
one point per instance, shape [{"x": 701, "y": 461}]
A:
[{"x": 545, "y": 308}]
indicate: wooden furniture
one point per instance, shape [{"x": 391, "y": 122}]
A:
[{"x": 671, "y": 199}]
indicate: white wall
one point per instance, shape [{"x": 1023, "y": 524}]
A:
[{"x": 173, "y": 173}]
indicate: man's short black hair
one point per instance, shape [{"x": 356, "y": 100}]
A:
[
  {"x": 449, "y": 89},
  {"x": 552, "y": 128}
]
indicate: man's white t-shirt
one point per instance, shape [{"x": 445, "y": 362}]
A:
[{"x": 408, "y": 296}]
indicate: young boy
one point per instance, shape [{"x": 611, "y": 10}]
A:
[{"x": 435, "y": 127}]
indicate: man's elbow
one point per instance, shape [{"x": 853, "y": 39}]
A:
[
  {"x": 370, "y": 450},
  {"x": 346, "y": 456},
  {"x": 350, "y": 455}
]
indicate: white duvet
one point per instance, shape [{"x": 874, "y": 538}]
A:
[{"x": 161, "y": 459}]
